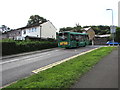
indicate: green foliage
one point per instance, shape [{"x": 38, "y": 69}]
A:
[
  {"x": 35, "y": 19},
  {"x": 7, "y": 40},
  {"x": 99, "y": 30},
  {"x": 66, "y": 29},
  {"x": 65, "y": 74},
  {"x": 117, "y": 35},
  {"x": 13, "y": 47},
  {"x": 9, "y": 48},
  {"x": 77, "y": 28},
  {"x": 4, "y": 28}
]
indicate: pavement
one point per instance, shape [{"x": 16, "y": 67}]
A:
[{"x": 103, "y": 75}]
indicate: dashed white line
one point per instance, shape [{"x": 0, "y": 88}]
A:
[
  {"x": 10, "y": 61},
  {"x": 27, "y": 58}
]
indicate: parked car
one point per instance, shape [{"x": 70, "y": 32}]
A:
[{"x": 111, "y": 43}]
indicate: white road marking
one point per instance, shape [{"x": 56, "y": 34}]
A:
[
  {"x": 57, "y": 50},
  {"x": 28, "y": 57},
  {"x": 10, "y": 61}
]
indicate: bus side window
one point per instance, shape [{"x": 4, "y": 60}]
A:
[
  {"x": 72, "y": 37},
  {"x": 77, "y": 38},
  {"x": 82, "y": 37},
  {"x": 85, "y": 37}
]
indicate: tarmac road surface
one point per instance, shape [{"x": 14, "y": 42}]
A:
[{"x": 16, "y": 68}]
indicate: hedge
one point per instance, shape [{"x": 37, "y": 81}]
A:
[{"x": 9, "y": 48}]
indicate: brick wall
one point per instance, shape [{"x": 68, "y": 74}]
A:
[{"x": 100, "y": 41}]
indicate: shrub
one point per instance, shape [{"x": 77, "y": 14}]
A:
[{"x": 9, "y": 48}]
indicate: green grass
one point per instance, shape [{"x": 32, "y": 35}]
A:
[{"x": 64, "y": 75}]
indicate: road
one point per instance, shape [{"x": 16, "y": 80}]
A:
[{"x": 17, "y": 68}]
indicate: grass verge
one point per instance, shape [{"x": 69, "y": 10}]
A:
[{"x": 65, "y": 74}]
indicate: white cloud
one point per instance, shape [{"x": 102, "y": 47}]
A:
[{"x": 62, "y": 13}]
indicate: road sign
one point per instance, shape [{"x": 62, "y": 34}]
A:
[{"x": 112, "y": 29}]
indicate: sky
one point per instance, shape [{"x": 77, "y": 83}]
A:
[{"x": 62, "y": 13}]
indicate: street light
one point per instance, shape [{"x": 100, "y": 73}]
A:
[{"x": 112, "y": 25}]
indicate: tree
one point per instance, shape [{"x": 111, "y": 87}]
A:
[
  {"x": 99, "y": 30},
  {"x": 66, "y": 29},
  {"x": 35, "y": 19},
  {"x": 117, "y": 35},
  {"x": 4, "y": 28},
  {"x": 77, "y": 28}
]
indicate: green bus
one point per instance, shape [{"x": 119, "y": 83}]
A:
[{"x": 72, "y": 39}]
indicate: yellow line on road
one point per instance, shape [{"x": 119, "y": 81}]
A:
[{"x": 59, "y": 62}]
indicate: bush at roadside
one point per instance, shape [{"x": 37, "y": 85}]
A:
[{"x": 14, "y": 47}]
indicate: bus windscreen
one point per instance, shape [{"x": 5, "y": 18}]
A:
[{"x": 63, "y": 36}]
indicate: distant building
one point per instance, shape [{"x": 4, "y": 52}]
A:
[
  {"x": 44, "y": 30},
  {"x": 15, "y": 34},
  {"x": 101, "y": 39},
  {"x": 3, "y": 36},
  {"x": 90, "y": 31}
]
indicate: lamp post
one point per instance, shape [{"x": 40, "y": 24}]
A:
[{"x": 112, "y": 26}]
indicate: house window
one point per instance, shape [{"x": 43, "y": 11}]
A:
[
  {"x": 35, "y": 29},
  {"x": 32, "y": 29},
  {"x": 24, "y": 32},
  {"x": 29, "y": 30}
]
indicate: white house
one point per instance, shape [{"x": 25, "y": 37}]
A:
[
  {"x": 44, "y": 30},
  {"x": 31, "y": 31},
  {"x": 48, "y": 30}
]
